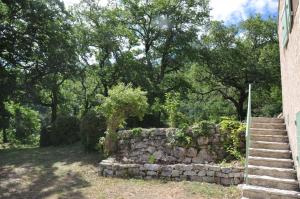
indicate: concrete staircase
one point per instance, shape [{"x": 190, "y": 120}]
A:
[{"x": 271, "y": 173}]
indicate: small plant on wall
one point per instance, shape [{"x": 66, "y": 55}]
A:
[
  {"x": 231, "y": 131},
  {"x": 123, "y": 101}
]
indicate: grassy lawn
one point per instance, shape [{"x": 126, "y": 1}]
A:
[{"x": 68, "y": 172}]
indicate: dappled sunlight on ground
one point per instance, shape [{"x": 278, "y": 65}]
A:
[{"x": 68, "y": 172}]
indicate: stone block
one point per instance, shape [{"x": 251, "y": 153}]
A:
[
  {"x": 201, "y": 173},
  {"x": 196, "y": 178},
  {"x": 203, "y": 140},
  {"x": 208, "y": 179},
  {"x": 179, "y": 152},
  {"x": 199, "y": 167},
  {"x": 107, "y": 172},
  {"x": 189, "y": 173},
  {"x": 151, "y": 173},
  {"x": 150, "y": 149},
  {"x": 210, "y": 173},
  {"x": 226, "y": 181},
  {"x": 187, "y": 160},
  {"x": 166, "y": 173},
  {"x": 226, "y": 170},
  {"x": 215, "y": 168},
  {"x": 191, "y": 152},
  {"x": 176, "y": 173},
  {"x": 152, "y": 167},
  {"x": 158, "y": 155}
]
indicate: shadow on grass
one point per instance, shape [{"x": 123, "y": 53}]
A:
[{"x": 36, "y": 172}]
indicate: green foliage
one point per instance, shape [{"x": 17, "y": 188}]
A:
[
  {"x": 65, "y": 130},
  {"x": 172, "y": 108},
  {"x": 92, "y": 127},
  {"x": 25, "y": 123},
  {"x": 232, "y": 130},
  {"x": 181, "y": 138},
  {"x": 203, "y": 128},
  {"x": 122, "y": 102},
  {"x": 151, "y": 159},
  {"x": 231, "y": 62},
  {"x": 136, "y": 132},
  {"x": 59, "y": 63}
]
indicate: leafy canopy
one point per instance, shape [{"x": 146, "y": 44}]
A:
[{"x": 123, "y": 101}]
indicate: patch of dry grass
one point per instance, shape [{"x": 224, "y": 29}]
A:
[{"x": 68, "y": 172}]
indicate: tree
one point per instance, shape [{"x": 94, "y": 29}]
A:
[
  {"x": 164, "y": 36},
  {"x": 55, "y": 59},
  {"x": 7, "y": 85},
  {"x": 122, "y": 102},
  {"x": 234, "y": 57}
]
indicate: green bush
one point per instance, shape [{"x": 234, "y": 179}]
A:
[
  {"x": 136, "y": 132},
  {"x": 24, "y": 125},
  {"x": 122, "y": 102},
  {"x": 181, "y": 137},
  {"x": 65, "y": 130},
  {"x": 231, "y": 131},
  {"x": 171, "y": 107},
  {"x": 203, "y": 128},
  {"x": 92, "y": 127}
]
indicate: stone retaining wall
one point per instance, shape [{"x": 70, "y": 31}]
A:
[
  {"x": 154, "y": 146},
  {"x": 177, "y": 172}
]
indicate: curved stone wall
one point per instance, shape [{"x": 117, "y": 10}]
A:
[{"x": 176, "y": 172}]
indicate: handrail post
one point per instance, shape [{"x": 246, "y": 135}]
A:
[{"x": 247, "y": 136}]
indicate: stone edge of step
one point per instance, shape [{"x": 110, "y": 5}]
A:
[
  {"x": 263, "y": 129},
  {"x": 266, "y": 142},
  {"x": 274, "y": 191},
  {"x": 272, "y": 168},
  {"x": 274, "y": 179},
  {"x": 277, "y": 136},
  {"x": 271, "y": 150},
  {"x": 270, "y": 159}
]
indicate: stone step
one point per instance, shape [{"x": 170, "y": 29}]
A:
[
  {"x": 268, "y": 126},
  {"x": 266, "y": 120},
  {"x": 257, "y": 192},
  {"x": 271, "y": 182},
  {"x": 272, "y": 171},
  {"x": 271, "y": 162},
  {"x": 270, "y": 138},
  {"x": 257, "y": 131},
  {"x": 270, "y": 153},
  {"x": 269, "y": 145}
]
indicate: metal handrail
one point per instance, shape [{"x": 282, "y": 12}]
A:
[{"x": 248, "y": 134}]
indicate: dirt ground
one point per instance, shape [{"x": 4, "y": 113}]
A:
[{"x": 68, "y": 172}]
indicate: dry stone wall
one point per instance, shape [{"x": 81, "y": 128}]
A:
[
  {"x": 152, "y": 154},
  {"x": 155, "y": 146},
  {"x": 176, "y": 172}
]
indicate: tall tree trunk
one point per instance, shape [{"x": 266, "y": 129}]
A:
[
  {"x": 240, "y": 106},
  {"x": 54, "y": 104},
  {"x": 5, "y": 140}
]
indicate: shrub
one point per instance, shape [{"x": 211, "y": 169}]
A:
[
  {"x": 24, "y": 124},
  {"x": 92, "y": 127},
  {"x": 203, "y": 128},
  {"x": 65, "y": 130},
  {"x": 136, "y": 132},
  {"x": 181, "y": 137},
  {"x": 231, "y": 131},
  {"x": 122, "y": 102},
  {"x": 171, "y": 107}
]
